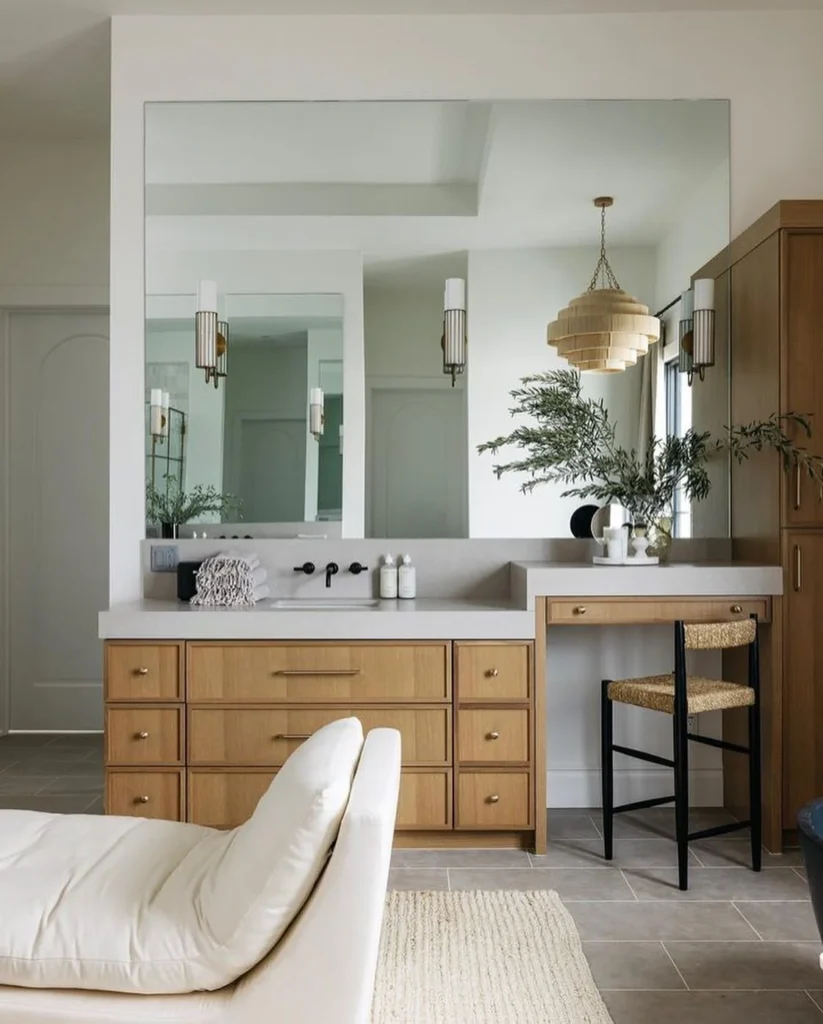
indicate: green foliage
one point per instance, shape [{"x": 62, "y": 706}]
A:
[
  {"x": 571, "y": 441},
  {"x": 175, "y": 505}
]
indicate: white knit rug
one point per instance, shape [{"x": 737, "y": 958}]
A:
[{"x": 483, "y": 958}]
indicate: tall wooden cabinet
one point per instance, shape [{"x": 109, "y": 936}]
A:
[{"x": 773, "y": 277}]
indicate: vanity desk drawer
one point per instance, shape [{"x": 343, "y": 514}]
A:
[
  {"x": 268, "y": 735},
  {"x": 494, "y": 800},
  {"x": 144, "y": 735},
  {"x": 489, "y": 672},
  {"x": 493, "y": 736},
  {"x": 636, "y": 611},
  {"x": 151, "y": 672},
  {"x": 296, "y": 673},
  {"x": 145, "y": 794}
]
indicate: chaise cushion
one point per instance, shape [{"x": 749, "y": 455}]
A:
[{"x": 149, "y": 906}]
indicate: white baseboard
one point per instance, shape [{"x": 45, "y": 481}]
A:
[{"x": 582, "y": 787}]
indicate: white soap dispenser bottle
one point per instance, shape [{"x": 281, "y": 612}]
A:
[
  {"x": 407, "y": 578},
  {"x": 388, "y": 578}
]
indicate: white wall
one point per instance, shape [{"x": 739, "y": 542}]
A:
[
  {"x": 513, "y": 295},
  {"x": 766, "y": 63}
]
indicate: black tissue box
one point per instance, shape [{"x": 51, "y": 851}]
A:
[{"x": 186, "y": 581}]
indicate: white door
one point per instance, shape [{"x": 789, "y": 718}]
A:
[
  {"x": 418, "y": 465},
  {"x": 58, "y": 390},
  {"x": 272, "y": 470}
]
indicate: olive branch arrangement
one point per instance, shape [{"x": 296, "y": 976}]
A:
[{"x": 176, "y": 506}]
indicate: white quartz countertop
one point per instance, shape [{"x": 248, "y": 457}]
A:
[
  {"x": 583, "y": 579},
  {"x": 420, "y": 619}
]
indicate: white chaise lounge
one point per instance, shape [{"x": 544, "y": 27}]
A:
[{"x": 321, "y": 971}]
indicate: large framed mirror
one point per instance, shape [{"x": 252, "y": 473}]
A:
[{"x": 330, "y": 231}]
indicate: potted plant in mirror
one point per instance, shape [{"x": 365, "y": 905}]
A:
[
  {"x": 173, "y": 507},
  {"x": 571, "y": 440}
]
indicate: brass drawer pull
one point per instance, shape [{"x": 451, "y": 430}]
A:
[
  {"x": 493, "y": 735},
  {"x": 736, "y": 609},
  {"x": 580, "y": 610},
  {"x": 798, "y": 568},
  {"x": 292, "y": 735},
  {"x": 317, "y": 672},
  {"x": 797, "y": 499},
  {"x": 141, "y": 799},
  {"x": 492, "y": 673},
  {"x": 142, "y": 735},
  {"x": 143, "y": 671},
  {"x": 493, "y": 799}
]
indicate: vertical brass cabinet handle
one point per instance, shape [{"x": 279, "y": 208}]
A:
[
  {"x": 797, "y": 476},
  {"x": 143, "y": 735},
  {"x": 492, "y": 673},
  {"x": 580, "y": 610},
  {"x": 142, "y": 671},
  {"x": 798, "y": 567},
  {"x": 736, "y": 609},
  {"x": 141, "y": 799},
  {"x": 493, "y": 735},
  {"x": 493, "y": 799}
]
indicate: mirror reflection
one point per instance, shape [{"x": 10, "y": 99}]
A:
[{"x": 451, "y": 235}]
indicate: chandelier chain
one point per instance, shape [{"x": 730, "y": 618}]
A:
[{"x": 603, "y": 276}]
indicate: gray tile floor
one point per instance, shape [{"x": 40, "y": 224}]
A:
[{"x": 738, "y": 948}]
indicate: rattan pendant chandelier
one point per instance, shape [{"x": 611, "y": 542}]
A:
[{"x": 605, "y": 330}]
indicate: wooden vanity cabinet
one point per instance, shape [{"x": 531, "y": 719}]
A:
[{"x": 199, "y": 735}]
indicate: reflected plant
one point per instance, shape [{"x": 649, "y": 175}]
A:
[
  {"x": 176, "y": 506},
  {"x": 571, "y": 440}
]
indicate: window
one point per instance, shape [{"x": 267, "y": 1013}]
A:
[{"x": 678, "y": 422}]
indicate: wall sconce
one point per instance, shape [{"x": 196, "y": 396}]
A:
[
  {"x": 686, "y": 334},
  {"x": 157, "y": 415},
  {"x": 222, "y": 368},
  {"x": 316, "y": 417},
  {"x": 164, "y": 413},
  {"x": 454, "y": 341},
  {"x": 205, "y": 329},
  {"x": 703, "y": 344}
]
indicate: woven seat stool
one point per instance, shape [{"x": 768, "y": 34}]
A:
[{"x": 681, "y": 695}]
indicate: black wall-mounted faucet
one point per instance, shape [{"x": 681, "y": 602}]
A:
[
  {"x": 331, "y": 570},
  {"x": 356, "y": 568}
]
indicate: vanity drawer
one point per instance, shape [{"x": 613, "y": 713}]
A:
[
  {"x": 493, "y": 672},
  {"x": 294, "y": 673},
  {"x": 143, "y": 671},
  {"x": 223, "y": 799},
  {"x": 493, "y": 800},
  {"x": 634, "y": 611},
  {"x": 267, "y": 735},
  {"x": 145, "y": 794},
  {"x": 144, "y": 735},
  {"x": 493, "y": 735},
  {"x": 425, "y": 800}
]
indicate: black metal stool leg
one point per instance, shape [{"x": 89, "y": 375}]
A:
[
  {"x": 607, "y": 768},
  {"x": 681, "y": 758},
  {"x": 755, "y": 797}
]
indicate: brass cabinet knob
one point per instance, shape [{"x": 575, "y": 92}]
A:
[
  {"x": 492, "y": 673},
  {"x": 493, "y": 735},
  {"x": 493, "y": 799},
  {"x": 143, "y": 735},
  {"x": 143, "y": 671},
  {"x": 736, "y": 609},
  {"x": 580, "y": 610},
  {"x": 141, "y": 799}
]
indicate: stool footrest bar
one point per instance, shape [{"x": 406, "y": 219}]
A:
[
  {"x": 710, "y": 741},
  {"x": 719, "y": 830},
  {"x": 639, "y": 805},
  {"x": 641, "y": 755}
]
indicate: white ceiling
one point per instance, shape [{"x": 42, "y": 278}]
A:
[{"x": 54, "y": 54}]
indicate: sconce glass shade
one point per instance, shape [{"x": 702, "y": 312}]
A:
[
  {"x": 686, "y": 333},
  {"x": 704, "y": 317},
  {"x": 165, "y": 402},
  {"x": 340, "y": 443},
  {"x": 205, "y": 328},
  {"x": 454, "y": 342},
  {"x": 222, "y": 367},
  {"x": 156, "y": 413},
  {"x": 316, "y": 416}
]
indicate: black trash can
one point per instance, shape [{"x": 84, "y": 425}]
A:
[{"x": 810, "y": 827}]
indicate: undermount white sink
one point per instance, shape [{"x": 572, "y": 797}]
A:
[{"x": 322, "y": 604}]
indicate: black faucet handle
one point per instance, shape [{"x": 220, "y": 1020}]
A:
[
  {"x": 307, "y": 568},
  {"x": 356, "y": 568},
  {"x": 331, "y": 570}
]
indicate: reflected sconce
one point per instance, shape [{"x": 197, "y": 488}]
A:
[
  {"x": 341, "y": 439},
  {"x": 704, "y": 316},
  {"x": 164, "y": 418},
  {"x": 158, "y": 415},
  {"x": 316, "y": 417},
  {"x": 454, "y": 342},
  {"x": 222, "y": 367},
  {"x": 205, "y": 330},
  {"x": 686, "y": 334}
]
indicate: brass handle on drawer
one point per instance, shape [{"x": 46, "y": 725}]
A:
[
  {"x": 493, "y": 799},
  {"x": 580, "y": 610},
  {"x": 142, "y": 671},
  {"x": 142, "y": 735},
  {"x": 798, "y": 568},
  {"x": 493, "y": 736},
  {"x": 317, "y": 672},
  {"x": 736, "y": 609},
  {"x": 292, "y": 735},
  {"x": 492, "y": 673},
  {"x": 798, "y": 477},
  {"x": 141, "y": 799}
]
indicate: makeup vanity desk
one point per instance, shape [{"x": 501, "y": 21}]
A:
[{"x": 582, "y": 594}]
